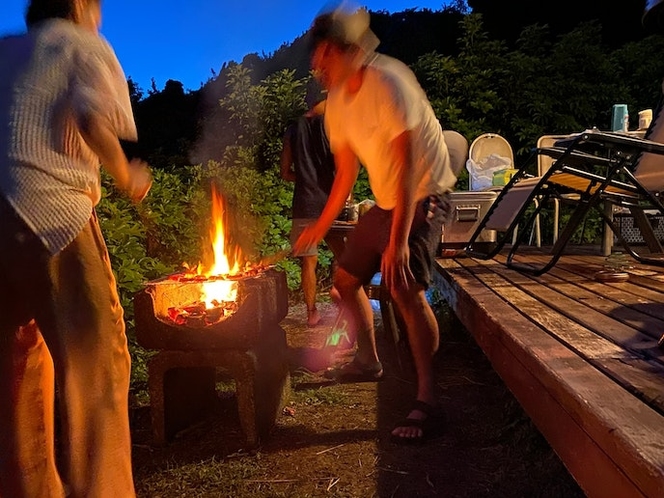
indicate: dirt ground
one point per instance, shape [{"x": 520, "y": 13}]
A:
[{"x": 333, "y": 439}]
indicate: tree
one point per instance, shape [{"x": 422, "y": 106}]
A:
[
  {"x": 135, "y": 92},
  {"x": 505, "y": 19},
  {"x": 167, "y": 125}
]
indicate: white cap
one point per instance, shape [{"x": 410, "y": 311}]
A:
[{"x": 351, "y": 25}]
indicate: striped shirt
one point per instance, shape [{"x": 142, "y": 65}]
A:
[{"x": 51, "y": 76}]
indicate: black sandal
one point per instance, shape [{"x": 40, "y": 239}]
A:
[{"x": 432, "y": 426}]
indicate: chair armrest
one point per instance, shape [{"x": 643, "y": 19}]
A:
[{"x": 619, "y": 141}]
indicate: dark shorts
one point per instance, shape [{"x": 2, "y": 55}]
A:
[{"x": 367, "y": 242}]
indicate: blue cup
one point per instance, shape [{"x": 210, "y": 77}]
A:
[{"x": 620, "y": 120}]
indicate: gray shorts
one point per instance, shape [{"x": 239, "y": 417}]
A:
[
  {"x": 367, "y": 242},
  {"x": 299, "y": 224}
]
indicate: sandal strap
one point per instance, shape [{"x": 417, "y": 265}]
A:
[
  {"x": 424, "y": 407},
  {"x": 357, "y": 364}
]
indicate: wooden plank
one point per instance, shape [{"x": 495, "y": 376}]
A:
[
  {"x": 618, "y": 433},
  {"x": 641, "y": 313},
  {"x": 624, "y": 293},
  {"x": 644, "y": 276},
  {"x": 566, "y": 436},
  {"x": 630, "y": 304},
  {"x": 598, "y": 297},
  {"x": 610, "y": 358},
  {"x": 648, "y": 275},
  {"x": 568, "y": 331}
]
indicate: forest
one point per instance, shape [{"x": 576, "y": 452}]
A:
[{"x": 509, "y": 67}]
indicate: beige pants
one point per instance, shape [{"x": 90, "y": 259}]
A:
[{"x": 61, "y": 324}]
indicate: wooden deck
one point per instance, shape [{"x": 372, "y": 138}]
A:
[{"x": 581, "y": 356}]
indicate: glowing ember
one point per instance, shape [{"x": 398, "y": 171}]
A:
[{"x": 199, "y": 315}]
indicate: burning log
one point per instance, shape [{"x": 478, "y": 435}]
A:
[
  {"x": 229, "y": 294},
  {"x": 198, "y": 315}
]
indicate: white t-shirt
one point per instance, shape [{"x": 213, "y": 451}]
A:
[
  {"x": 52, "y": 74},
  {"x": 390, "y": 102}
]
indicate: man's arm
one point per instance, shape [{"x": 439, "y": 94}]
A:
[
  {"x": 347, "y": 168},
  {"x": 395, "y": 263},
  {"x": 133, "y": 177}
]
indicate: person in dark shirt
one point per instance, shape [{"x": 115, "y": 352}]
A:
[{"x": 307, "y": 161}]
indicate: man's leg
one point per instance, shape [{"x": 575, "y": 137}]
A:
[
  {"x": 355, "y": 303},
  {"x": 358, "y": 264},
  {"x": 421, "y": 324},
  {"x": 309, "y": 288},
  {"x": 27, "y": 385},
  {"x": 423, "y": 337},
  {"x": 336, "y": 245},
  {"x": 27, "y": 435},
  {"x": 84, "y": 330}
]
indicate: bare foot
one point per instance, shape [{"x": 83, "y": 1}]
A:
[
  {"x": 411, "y": 431},
  {"x": 425, "y": 421},
  {"x": 313, "y": 317}
]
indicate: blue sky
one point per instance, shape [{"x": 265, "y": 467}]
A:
[{"x": 185, "y": 40}]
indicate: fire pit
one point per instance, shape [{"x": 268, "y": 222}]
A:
[
  {"x": 262, "y": 302},
  {"x": 199, "y": 323}
]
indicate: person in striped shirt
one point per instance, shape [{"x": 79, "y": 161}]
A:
[{"x": 64, "y": 106}]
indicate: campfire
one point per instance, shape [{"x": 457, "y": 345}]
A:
[
  {"x": 224, "y": 314},
  {"x": 217, "y": 299},
  {"x": 224, "y": 301}
]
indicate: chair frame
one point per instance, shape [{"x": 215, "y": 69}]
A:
[
  {"x": 544, "y": 162},
  {"x": 503, "y": 148},
  {"x": 575, "y": 159}
]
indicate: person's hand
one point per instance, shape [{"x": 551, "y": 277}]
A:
[
  {"x": 310, "y": 237},
  {"x": 140, "y": 180},
  {"x": 395, "y": 267}
]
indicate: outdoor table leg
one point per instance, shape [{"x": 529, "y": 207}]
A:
[{"x": 607, "y": 233}]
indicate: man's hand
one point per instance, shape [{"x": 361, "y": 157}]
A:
[
  {"x": 395, "y": 267},
  {"x": 132, "y": 177},
  {"x": 310, "y": 237},
  {"x": 140, "y": 180}
]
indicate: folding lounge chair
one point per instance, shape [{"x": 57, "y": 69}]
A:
[
  {"x": 492, "y": 144},
  {"x": 632, "y": 176},
  {"x": 544, "y": 162}
]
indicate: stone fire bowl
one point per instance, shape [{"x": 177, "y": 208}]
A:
[{"x": 262, "y": 303}]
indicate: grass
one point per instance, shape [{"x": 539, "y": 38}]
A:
[
  {"x": 333, "y": 441},
  {"x": 205, "y": 477},
  {"x": 332, "y": 395}
]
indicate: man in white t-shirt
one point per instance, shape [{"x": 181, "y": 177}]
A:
[{"x": 378, "y": 116}]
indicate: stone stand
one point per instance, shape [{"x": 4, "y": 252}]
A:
[{"x": 182, "y": 386}]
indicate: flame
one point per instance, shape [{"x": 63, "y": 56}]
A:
[{"x": 226, "y": 260}]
